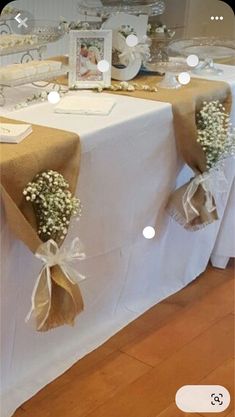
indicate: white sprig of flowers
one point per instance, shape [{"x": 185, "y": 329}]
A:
[
  {"x": 53, "y": 203},
  {"x": 159, "y": 28},
  {"x": 126, "y": 30},
  {"x": 215, "y": 132},
  {"x": 126, "y": 86}
]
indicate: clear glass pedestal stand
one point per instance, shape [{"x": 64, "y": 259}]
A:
[
  {"x": 169, "y": 69},
  {"x": 207, "y": 67},
  {"x": 169, "y": 81}
]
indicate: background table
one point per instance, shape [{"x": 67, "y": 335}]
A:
[{"x": 128, "y": 168}]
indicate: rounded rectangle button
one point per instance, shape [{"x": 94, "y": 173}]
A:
[{"x": 202, "y": 398}]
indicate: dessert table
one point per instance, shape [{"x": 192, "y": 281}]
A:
[{"x": 129, "y": 166}]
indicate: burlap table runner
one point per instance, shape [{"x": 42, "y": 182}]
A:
[
  {"x": 44, "y": 149},
  {"x": 186, "y": 102},
  {"x": 226, "y": 61}
]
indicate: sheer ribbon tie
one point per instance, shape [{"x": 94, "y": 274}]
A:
[
  {"x": 211, "y": 181},
  {"x": 130, "y": 54},
  {"x": 51, "y": 255}
]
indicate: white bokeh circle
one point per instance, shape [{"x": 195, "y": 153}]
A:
[
  {"x": 103, "y": 65},
  {"x": 149, "y": 232},
  {"x": 192, "y": 60},
  {"x": 53, "y": 97},
  {"x": 184, "y": 78},
  {"x": 132, "y": 40}
]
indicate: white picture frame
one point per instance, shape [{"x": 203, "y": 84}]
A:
[
  {"x": 86, "y": 49},
  {"x": 139, "y": 24}
]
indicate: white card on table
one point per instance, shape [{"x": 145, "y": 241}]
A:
[
  {"x": 85, "y": 105},
  {"x": 14, "y": 133}
]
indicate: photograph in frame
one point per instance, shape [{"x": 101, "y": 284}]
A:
[{"x": 87, "y": 49}]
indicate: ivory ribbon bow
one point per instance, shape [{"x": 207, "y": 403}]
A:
[
  {"x": 211, "y": 181},
  {"x": 130, "y": 53},
  {"x": 52, "y": 255}
]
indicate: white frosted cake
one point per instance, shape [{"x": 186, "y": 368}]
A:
[
  {"x": 54, "y": 65},
  {"x": 41, "y": 67},
  {"x": 15, "y": 72},
  {"x": 15, "y": 41},
  {"x": 28, "y": 70}
]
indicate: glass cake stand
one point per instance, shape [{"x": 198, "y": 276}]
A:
[
  {"x": 207, "y": 49},
  {"x": 171, "y": 69},
  {"x": 158, "y": 46},
  {"x": 35, "y": 37},
  {"x": 46, "y": 31},
  {"x": 89, "y": 8}
]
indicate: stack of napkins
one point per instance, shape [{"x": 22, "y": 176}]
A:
[
  {"x": 86, "y": 105},
  {"x": 14, "y": 133}
]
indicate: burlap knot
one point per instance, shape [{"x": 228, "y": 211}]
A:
[{"x": 193, "y": 204}]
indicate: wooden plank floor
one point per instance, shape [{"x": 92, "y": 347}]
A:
[{"x": 186, "y": 339}]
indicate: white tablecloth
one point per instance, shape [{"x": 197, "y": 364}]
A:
[{"x": 128, "y": 168}]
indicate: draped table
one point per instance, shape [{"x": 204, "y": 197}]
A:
[{"x": 129, "y": 164}]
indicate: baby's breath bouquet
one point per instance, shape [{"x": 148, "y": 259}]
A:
[
  {"x": 56, "y": 297},
  {"x": 53, "y": 203},
  {"x": 216, "y": 136},
  {"x": 215, "y": 133}
]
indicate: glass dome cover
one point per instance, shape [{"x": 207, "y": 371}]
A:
[{"x": 106, "y": 7}]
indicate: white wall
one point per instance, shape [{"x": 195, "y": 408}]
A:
[
  {"x": 193, "y": 18},
  {"x": 199, "y": 23},
  {"x": 175, "y": 15},
  {"x": 188, "y": 17}
]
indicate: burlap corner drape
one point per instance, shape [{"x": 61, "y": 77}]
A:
[
  {"x": 186, "y": 102},
  {"x": 44, "y": 149}
]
